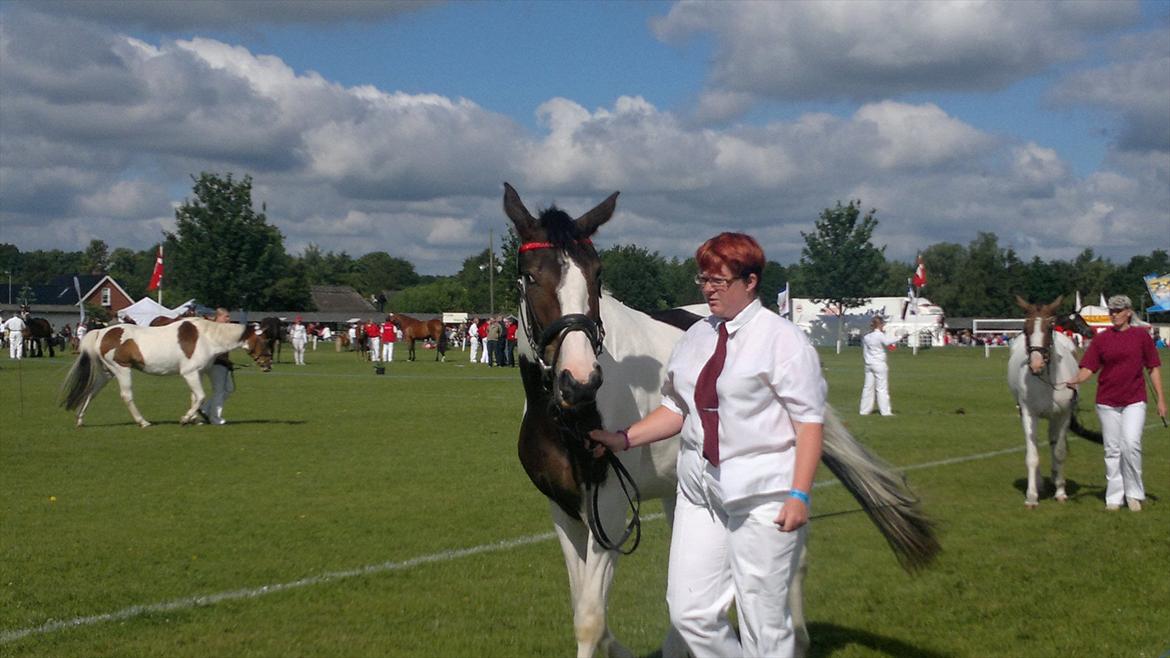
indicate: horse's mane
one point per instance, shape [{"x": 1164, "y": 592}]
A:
[
  {"x": 221, "y": 333},
  {"x": 559, "y": 228}
]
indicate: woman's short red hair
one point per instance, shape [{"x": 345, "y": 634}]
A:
[{"x": 738, "y": 251}]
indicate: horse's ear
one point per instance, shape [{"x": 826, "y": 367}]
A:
[
  {"x": 523, "y": 220},
  {"x": 1050, "y": 309},
  {"x": 1022, "y": 303},
  {"x": 592, "y": 220}
]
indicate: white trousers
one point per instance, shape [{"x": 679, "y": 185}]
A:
[
  {"x": 1122, "y": 427},
  {"x": 722, "y": 555},
  {"x": 375, "y": 347},
  {"x": 387, "y": 351},
  {"x": 474, "y": 348},
  {"x": 877, "y": 387},
  {"x": 483, "y": 353},
  {"x": 221, "y": 387},
  {"x": 298, "y": 352},
  {"x": 15, "y": 345}
]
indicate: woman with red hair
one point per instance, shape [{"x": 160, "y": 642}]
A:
[{"x": 744, "y": 391}]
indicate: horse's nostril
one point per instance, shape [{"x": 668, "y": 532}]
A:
[{"x": 573, "y": 393}]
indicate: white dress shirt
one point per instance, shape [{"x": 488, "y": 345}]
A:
[
  {"x": 873, "y": 347},
  {"x": 772, "y": 377}
]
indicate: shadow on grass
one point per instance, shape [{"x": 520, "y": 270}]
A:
[
  {"x": 176, "y": 423},
  {"x": 827, "y": 639},
  {"x": 1074, "y": 489}
]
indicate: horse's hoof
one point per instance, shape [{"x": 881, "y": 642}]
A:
[
  {"x": 1061, "y": 498},
  {"x": 1031, "y": 504},
  {"x": 144, "y": 424}
]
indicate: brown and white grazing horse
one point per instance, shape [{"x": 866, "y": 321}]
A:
[
  {"x": 587, "y": 361},
  {"x": 413, "y": 329},
  {"x": 187, "y": 347},
  {"x": 1041, "y": 361}
]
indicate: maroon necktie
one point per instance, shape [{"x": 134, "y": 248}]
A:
[{"x": 707, "y": 399}]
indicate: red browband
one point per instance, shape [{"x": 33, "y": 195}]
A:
[{"x": 529, "y": 246}]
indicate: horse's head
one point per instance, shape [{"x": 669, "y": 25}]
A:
[
  {"x": 560, "y": 292},
  {"x": 1038, "y": 325},
  {"x": 258, "y": 347},
  {"x": 1075, "y": 323}
]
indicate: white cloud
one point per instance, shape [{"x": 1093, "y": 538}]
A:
[
  {"x": 364, "y": 169},
  {"x": 843, "y": 49},
  {"x": 1135, "y": 87}
]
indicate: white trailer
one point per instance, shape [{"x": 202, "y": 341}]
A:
[{"x": 922, "y": 324}]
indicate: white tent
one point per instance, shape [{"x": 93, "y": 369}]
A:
[{"x": 146, "y": 309}]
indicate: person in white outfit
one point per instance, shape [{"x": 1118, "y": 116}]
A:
[
  {"x": 222, "y": 382},
  {"x": 473, "y": 338},
  {"x": 298, "y": 336},
  {"x": 744, "y": 392},
  {"x": 389, "y": 337},
  {"x": 14, "y": 329},
  {"x": 877, "y": 373}
]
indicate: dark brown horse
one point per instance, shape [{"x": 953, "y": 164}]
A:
[
  {"x": 37, "y": 333},
  {"x": 273, "y": 330},
  {"x": 413, "y": 330}
]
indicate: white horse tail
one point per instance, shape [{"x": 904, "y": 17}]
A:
[
  {"x": 883, "y": 493},
  {"x": 83, "y": 376}
]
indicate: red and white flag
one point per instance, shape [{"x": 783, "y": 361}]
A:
[
  {"x": 919, "y": 279},
  {"x": 156, "y": 277}
]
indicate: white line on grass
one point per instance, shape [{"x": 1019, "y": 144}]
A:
[{"x": 189, "y": 602}]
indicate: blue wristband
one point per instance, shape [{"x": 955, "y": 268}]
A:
[{"x": 799, "y": 495}]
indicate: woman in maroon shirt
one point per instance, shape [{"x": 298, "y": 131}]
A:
[{"x": 1120, "y": 353}]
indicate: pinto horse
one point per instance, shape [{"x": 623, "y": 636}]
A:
[
  {"x": 1040, "y": 364},
  {"x": 413, "y": 329},
  {"x": 587, "y": 361},
  {"x": 188, "y": 348}
]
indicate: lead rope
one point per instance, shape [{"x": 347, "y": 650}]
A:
[{"x": 634, "y": 527}]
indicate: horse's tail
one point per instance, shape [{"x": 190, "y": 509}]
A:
[
  {"x": 82, "y": 375},
  {"x": 883, "y": 493},
  {"x": 1080, "y": 430}
]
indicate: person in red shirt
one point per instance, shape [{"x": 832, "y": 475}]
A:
[
  {"x": 1120, "y": 353},
  {"x": 483, "y": 332},
  {"x": 510, "y": 345},
  {"x": 389, "y": 336},
  {"x": 373, "y": 339}
]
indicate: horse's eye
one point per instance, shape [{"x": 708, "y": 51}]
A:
[{"x": 529, "y": 280}]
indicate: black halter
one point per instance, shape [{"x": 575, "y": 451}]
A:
[
  {"x": 555, "y": 332},
  {"x": 540, "y": 339}
]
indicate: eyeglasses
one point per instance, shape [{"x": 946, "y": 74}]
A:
[
  {"x": 1117, "y": 310},
  {"x": 716, "y": 282}
]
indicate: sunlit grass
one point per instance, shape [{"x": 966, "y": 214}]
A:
[{"x": 329, "y": 468}]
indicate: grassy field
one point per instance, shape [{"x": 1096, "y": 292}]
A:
[{"x": 346, "y": 514}]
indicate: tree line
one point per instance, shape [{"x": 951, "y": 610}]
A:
[{"x": 224, "y": 252}]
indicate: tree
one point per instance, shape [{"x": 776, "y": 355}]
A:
[
  {"x": 223, "y": 252},
  {"x": 988, "y": 279},
  {"x": 96, "y": 258},
  {"x": 635, "y": 276},
  {"x": 378, "y": 271},
  {"x": 436, "y": 297},
  {"x": 840, "y": 265}
]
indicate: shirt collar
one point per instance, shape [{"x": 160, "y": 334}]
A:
[{"x": 734, "y": 324}]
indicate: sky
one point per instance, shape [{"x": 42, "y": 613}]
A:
[{"x": 374, "y": 126}]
